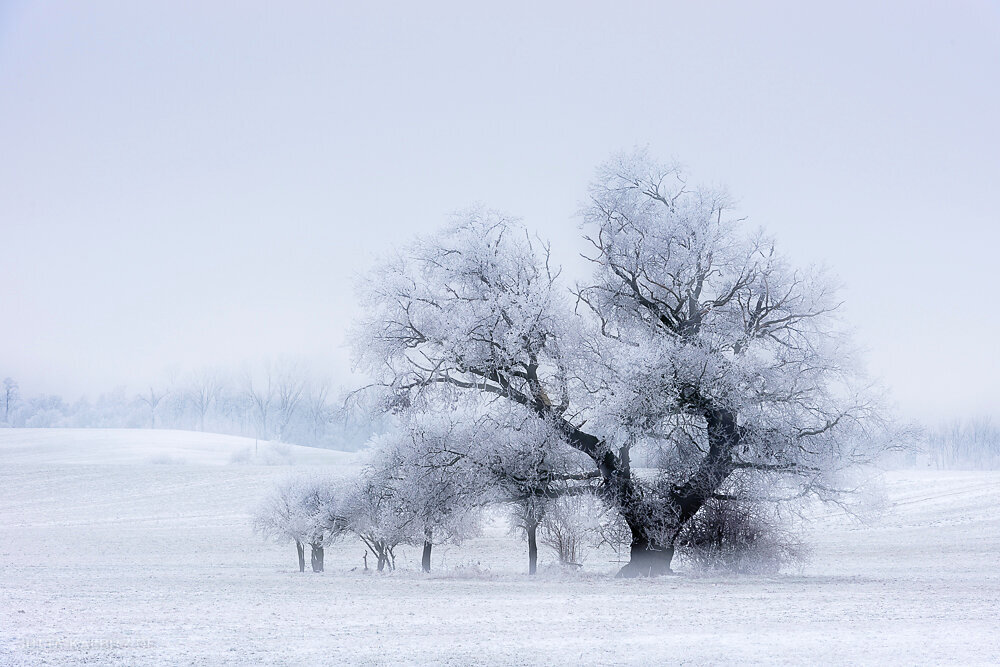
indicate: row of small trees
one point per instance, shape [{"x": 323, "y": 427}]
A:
[
  {"x": 315, "y": 510},
  {"x": 312, "y": 511},
  {"x": 282, "y": 401},
  {"x": 418, "y": 490}
]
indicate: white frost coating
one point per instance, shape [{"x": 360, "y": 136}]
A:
[
  {"x": 141, "y": 564},
  {"x": 696, "y": 347}
]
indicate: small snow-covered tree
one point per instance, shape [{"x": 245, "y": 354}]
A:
[
  {"x": 152, "y": 399},
  {"x": 571, "y": 525},
  {"x": 202, "y": 393},
  {"x": 324, "y": 499},
  {"x": 740, "y": 536},
  {"x": 453, "y": 460},
  {"x": 319, "y": 413},
  {"x": 280, "y": 516},
  {"x": 258, "y": 396},
  {"x": 696, "y": 344},
  {"x": 529, "y": 470},
  {"x": 526, "y": 514},
  {"x": 307, "y": 510},
  {"x": 435, "y": 486},
  {"x": 374, "y": 512},
  {"x": 290, "y": 382}
]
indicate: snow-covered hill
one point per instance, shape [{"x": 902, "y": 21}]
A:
[
  {"x": 107, "y": 556},
  {"x": 129, "y": 446}
]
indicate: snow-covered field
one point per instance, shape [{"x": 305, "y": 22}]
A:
[{"x": 134, "y": 547}]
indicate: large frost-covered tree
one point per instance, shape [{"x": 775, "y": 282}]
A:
[{"x": 696, "y": 345}]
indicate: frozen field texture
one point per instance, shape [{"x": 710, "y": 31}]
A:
[{"x": 134, "y": 547}]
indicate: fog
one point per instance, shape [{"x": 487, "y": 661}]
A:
[{"x": 199, "y": 184}]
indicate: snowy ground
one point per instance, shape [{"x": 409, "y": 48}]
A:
[{"x": 133, "y": 547}]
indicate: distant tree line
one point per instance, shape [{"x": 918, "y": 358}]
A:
[
  {"x": 392, "y": 504},
  {"x": 283, "y": 402},
  {"x": 972, "y": 444}
]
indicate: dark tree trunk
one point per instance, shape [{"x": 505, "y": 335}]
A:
[
  {"x": 646, "y": 557},
  {"x": 532, "y": 528},
  {"x": 723, "y": 438},
  {"x": 381, "y": 562},
  {"x": 300, "y": 550},
  {"x": 317, "y": 558},
  {"x": 425, "y": 558}
]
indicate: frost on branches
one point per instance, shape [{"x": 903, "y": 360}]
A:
[
  {"x": 695, "y": 348},
  {"x": 304, "y": 510}
]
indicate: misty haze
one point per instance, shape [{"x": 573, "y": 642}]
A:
[{"x": 531, "y": 333}]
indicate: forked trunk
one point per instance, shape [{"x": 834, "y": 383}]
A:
[
  {"x": 649, "y": 557},
  {"x": 301, "y": 551},
  {"x": 317, "y": 558}
]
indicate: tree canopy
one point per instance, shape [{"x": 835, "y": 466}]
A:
[{"x": 695, "y": 346}]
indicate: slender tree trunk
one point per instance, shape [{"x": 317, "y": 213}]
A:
[
  {"x": 317, "y": 558},
  {"x": 300, "y": 550},
  {"x": 532, "y": 528},
  {"x": 425, "y": 558}
]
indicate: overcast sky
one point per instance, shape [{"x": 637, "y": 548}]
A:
[{"x": 197, "y": 183}]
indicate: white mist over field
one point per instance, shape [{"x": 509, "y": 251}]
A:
[
  {"x": 189, "y": 185},
  {"x": 558, "y": 333}
]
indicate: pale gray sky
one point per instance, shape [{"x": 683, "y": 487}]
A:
[{"x": 188, "y": 183}]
